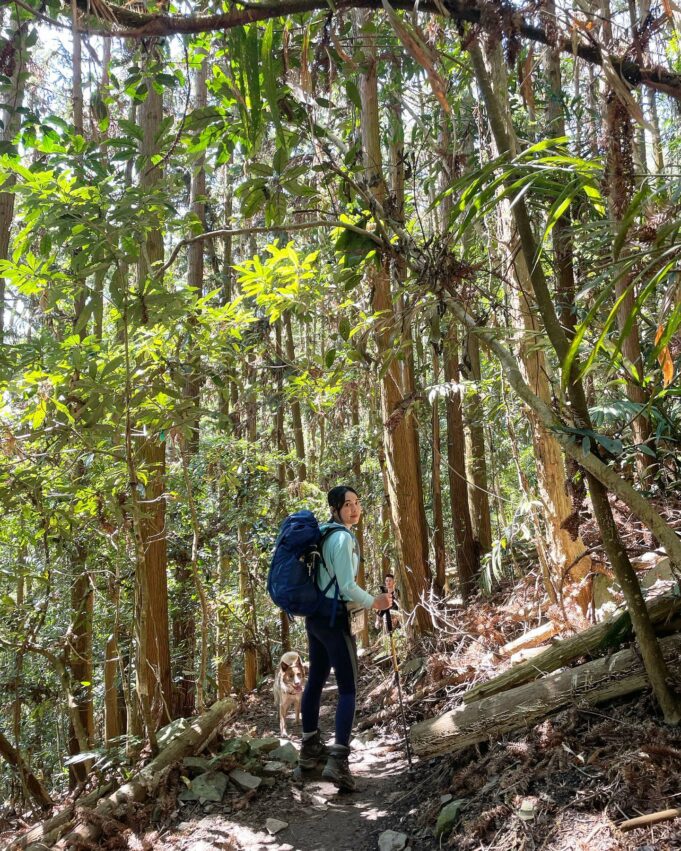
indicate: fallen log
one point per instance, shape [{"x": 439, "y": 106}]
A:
[
  {"x": 136, "y": 790},
  {"x": 598, "y": 638},
  {"x": 28, "y": 778},
  {"x": 534, "y": 637},
  {"x": 44, "y": 834},
  {"x": 589, "y": 684},
  {"x": 651, "y": 818}
]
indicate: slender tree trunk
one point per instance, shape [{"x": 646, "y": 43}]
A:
[
  {"x": 246, "y": 596},
  {"x": 467, "y": 556},
  {"x": 357, "y": 481},
  {"x": 436, "y": 480},
  {"x": 184, "y": 622},
  {"x": 620, "y": 183},
  {"x": 13, "y": 98},
  {"x": 82, "y": 598},
  {"x": 112, "y": 726},
  {"x": 399, "y": 434},
  {"x": 476, "y": 462},
  {"x": 153, "y": 648},
  {"x": 80, "y": 664},
  {"x": 28, "y": 779},
  {"x": 295, "y": 404},
  {"x": 223, "y": 640}
]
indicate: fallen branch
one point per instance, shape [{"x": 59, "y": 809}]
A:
[
  {"x": 651, "y": 818},
  {"x": 600, "y": 637},
  {"x": 283, "y": 227},
  {"x": 86, "y": 833},
  {"x": 31, "y": 782},
  {"x": 44, "y": 834},
  {"x": 592, "y": 683},
  {"x": 532, "y": 638},
  {"x": 416, "y": 697}
]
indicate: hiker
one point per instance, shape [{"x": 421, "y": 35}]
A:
[
  {"x": 332, "y": 645},
  {"x": 395, "y": 611}
]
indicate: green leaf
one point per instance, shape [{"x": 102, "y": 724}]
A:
[
  {"x": 131, "y": 128},
  {"x": 253, "y": 77},
  {"x": 329, "y": 358},
  {"x": 352, "y": 92}
]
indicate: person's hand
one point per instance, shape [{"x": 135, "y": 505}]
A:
[{"x": 382, "y": 602}]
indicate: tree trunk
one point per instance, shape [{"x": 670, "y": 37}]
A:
[
  {"x": 296, "y": 416},
  {"x": 359, "y": 531},
  {"x": 15, "y": 56},
  {"x": 399, "y": 427},
  {"x": 112, "y": 728},
  {"x": 476, "y": 462},
  {"x": 436, "y": 481},
  {"x": 184, "y": 622},
  {"x": 223, "y": 640},
  {"x": 619, "y": 181},
  {"x": 80, "y": 666},
  {"x": 569, "y": 566},
  {"x": 246, "y": 596},
  {"x": 153, "y": 648},
  {"x": 467, "y": 555},
  {"x": 28, "y": 779}
]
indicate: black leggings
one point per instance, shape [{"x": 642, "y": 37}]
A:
[{"x": 330, "y": 647}]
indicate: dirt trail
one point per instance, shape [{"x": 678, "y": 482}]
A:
[{"x": 319, "y": 817}]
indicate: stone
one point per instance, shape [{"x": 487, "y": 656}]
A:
[
  {"x": 285, "y": 753},
  {"x": 412, "y": 665},
  {"x": 268, "y": 781},
  {"x": 527, "y": 809},
  {"x": 391, "y": 840},
  {"x": 261, "y": 746},
  {"x": 448, "y": 817},
  {"x": 274, "y": 767},
  {"x": 196, "y": 764},
  {"x": 445, "y": 799},
  {"x": 244, "y": 780},
  {"x": 275, "y": 825},
  {"x": 237, "y": 746},
  {"x": 206, "y": 787}
]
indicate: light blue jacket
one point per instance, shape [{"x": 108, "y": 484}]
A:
[{"x": 341, "y": 559}]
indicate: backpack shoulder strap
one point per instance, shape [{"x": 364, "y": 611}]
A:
[{"x": 326, "y": 534}]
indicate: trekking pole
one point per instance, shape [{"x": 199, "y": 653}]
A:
[{"x": 393, "y": 653}]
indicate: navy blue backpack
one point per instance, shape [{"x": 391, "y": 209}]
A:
[{"x": 291, "y": 581}]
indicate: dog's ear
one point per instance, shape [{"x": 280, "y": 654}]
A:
[{"x": 284, "y": 666}]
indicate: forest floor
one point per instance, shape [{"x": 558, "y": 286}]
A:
[{"x": 578, "y": 774}]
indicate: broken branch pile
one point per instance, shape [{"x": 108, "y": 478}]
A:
[
  {"x": 84, "y": 832},
  {"x": 589, "y": 684}
]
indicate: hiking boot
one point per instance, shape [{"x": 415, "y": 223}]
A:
[
  {"x": 337, "y": 769},
  {"x": 313, "y": 751}
]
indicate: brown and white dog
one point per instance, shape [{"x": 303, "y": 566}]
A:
[{"x": 289, "y": 682}]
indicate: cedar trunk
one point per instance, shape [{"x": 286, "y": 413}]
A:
[{"x": 400, "y": 437}]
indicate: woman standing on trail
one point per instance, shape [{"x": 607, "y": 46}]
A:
[{"x": 331, "y": 645}]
